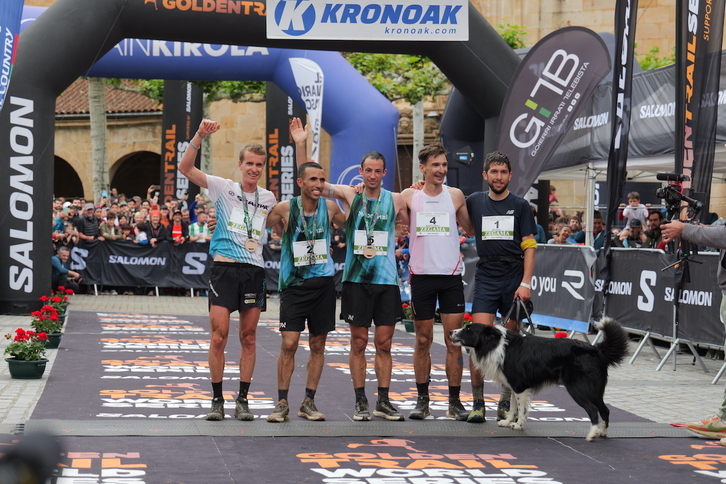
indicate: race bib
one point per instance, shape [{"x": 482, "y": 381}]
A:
[
  {"x": 237, "y": 224},
  {"x": 432, "y": 223},
  {"x": 497, "y": 227},
  {"x": 304, "y": 254},
  {"x": 380, "y": 242}
]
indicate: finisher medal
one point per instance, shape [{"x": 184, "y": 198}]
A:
[
  {"x": 251, "y": 245},
  {"x": 369, "y": 251}
]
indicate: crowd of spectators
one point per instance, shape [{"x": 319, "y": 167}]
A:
[
  {"x": 637, "y": 225},
  {"x": 132, "y": 220}
]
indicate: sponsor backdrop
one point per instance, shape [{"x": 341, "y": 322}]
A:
[
  {"x": 640, "y": 295},
  {"x": 548, "y": 90},
  {"x": 125, "y": 264}
]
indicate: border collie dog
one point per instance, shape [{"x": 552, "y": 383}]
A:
[{"x": 528, "y": 364}]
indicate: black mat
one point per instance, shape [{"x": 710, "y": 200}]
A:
[
  {"x": 425, "y": 460},
  {"x": 128, "y": 367}
]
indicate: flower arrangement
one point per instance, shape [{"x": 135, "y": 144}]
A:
[
  {"x": 58, "y": 298},
  {"x": 467, "y": 318},
  {"x": 46, "y": 320},
  {"x": 26, "y": 345},
  {"x": 407, "y": 311}
]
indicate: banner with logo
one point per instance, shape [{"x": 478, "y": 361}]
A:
[
  {"x": 182, "y": 114},
  {"x": 552, "y": 83},
  {"x": 310, "y": 82},
  {"x": 639, "y": 294},
  {"x": 561, "y": 286},
  {"x": 699, "y": 301},
  {"x": 281, "y": 166},
  {"x": 625, "y": 20},
  {"x": 10, "y": 13},
  {"x": 699, "y": 30},
  {"x": 115, "y": 263},
  {"x": 418, "y": 20}
]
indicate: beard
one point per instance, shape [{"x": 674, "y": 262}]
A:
[{"x": 497, "y": 191}]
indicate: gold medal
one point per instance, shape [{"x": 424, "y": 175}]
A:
[
  {"x": 369, "y": 251},
  {"x": 251, "y": 245}
]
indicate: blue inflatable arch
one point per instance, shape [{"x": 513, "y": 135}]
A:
[
  {"x": 72, "y": 35},
  {"x": 357, "y": 117}
]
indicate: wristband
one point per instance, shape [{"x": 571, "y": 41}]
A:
[
  {"x": 192, "y": 145},
  {"x": 524, "y": 284}
]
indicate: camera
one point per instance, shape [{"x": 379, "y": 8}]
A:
[{"x": 673, "y": 192}]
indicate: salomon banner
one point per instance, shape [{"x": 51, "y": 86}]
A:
[
  {"x": 310, "y": 83},
  {"x": 10, "y": 13},
  {"x": 625, "y": 19},
  {"x": 281, "y": 166},
  {"x": 422, "y": 20},
  {"x": 552, "y": 83},
  {"x": 182, "y": 114},
  {"x": 561, "y": 286},
  {"x": 699, "y": 31},
  {"x": 699, "y": 302},
  {"x": 125, "y": 264},
  {"x": 640, "y": 294}
]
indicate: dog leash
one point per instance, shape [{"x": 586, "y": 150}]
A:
[{"x": 521, "y": 306}]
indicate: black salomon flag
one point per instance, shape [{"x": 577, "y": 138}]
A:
[
  {"x": 281, "y": 166},
  {"x": 625, "y": 19},
  {"x": 551, "y": 85},
  {"x": 699, "y": 33},
  {"x": 182, "y": 114}
]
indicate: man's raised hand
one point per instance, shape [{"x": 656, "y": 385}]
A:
[
  {"x": 207, "y": 127},
  {"x": 297, "y": 131}
]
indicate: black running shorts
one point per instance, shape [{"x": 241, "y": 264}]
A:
[
  {"x": 363, "y": 304},
  {"x": 237, "y": 286},
  {"x": 427, "y": 289},
  {"x": 314, "y": 301}
]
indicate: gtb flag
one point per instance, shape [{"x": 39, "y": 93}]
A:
[
  {"x": 10, "y": 13},
  {"x": 549, "y": 88}
]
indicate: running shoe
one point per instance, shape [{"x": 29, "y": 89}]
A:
[
  {"x": 361, "y": 413},
  {"x": 281, "y": 412},
  {"x": 503, "y": 410},
  {"x": 713, "y": 427},
  {"x": 309, "y": 411},
  {"x": 422, "y": 410},
  {"x": 242, "y": 410},
  {"x": 477, "y": 412},
  {"x": 456, "y": 410},
  {"x": 217, "y": 412},
  {"x": 385, "y": 410}
]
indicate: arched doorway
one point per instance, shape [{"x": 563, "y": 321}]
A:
[
  {"x": 66, "y": 182},
  {"x": 134, "y": 173}
]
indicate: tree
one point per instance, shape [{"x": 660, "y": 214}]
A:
[
  {"x": 512, "y": 34},
  {"x": 398, "y": 76},
  {"x": 97, "y": 120},
  {"x": 651, "y": 60}
]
